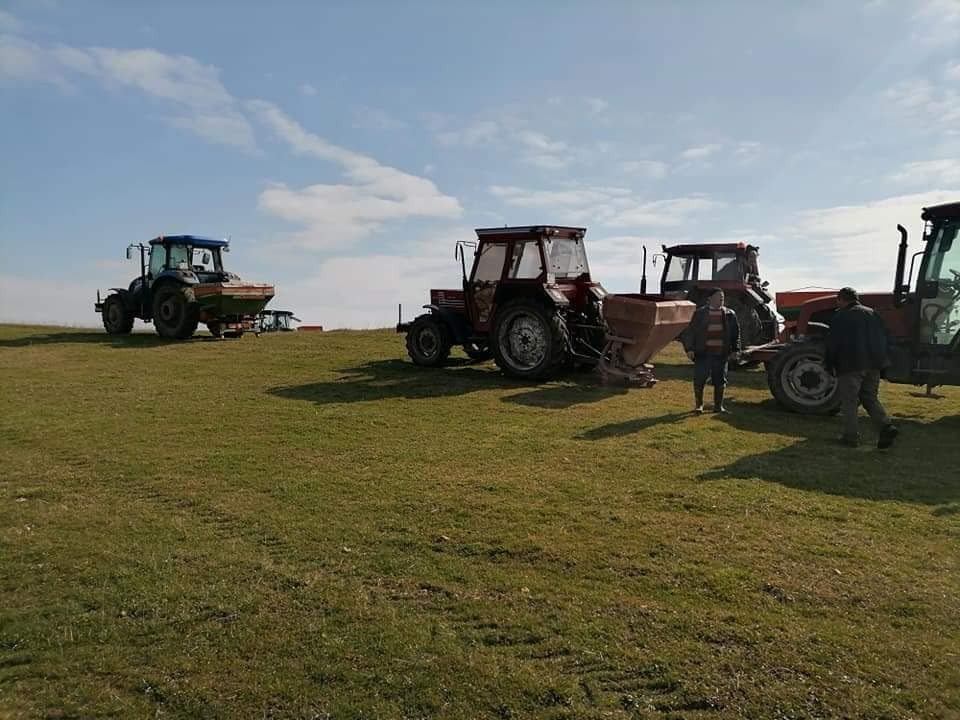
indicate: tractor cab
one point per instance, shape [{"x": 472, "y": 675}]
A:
[
  {"x": 691, "y": 272},
  {"x": 511, "y": 262},
  {"x": 187, "y": 258},
  {"x": 938, "y": 281}
]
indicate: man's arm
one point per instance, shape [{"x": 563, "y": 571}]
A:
[
  {"x": 690, "y": 338},
  {"x": 733, "y": 328}
]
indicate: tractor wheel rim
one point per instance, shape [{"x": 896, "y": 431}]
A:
[
  {"x": 807, "y": 382},
  {"x": 527, "y": 341},
  {"x": 169, "y": 310},
  {"x": 428, "y": 342}
]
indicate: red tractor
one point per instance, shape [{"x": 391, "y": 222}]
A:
[
  {"x": 691, "y": 271},
  {"x": 922, "y": 319},
  {"x": 529, "y": 302}
]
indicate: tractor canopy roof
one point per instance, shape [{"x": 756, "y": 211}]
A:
[
  {"x": 529, "y": 232},
  {"x": 194, "y": 240},
  {"x": 705, "y": 249},
  {"x": 942, "y": 212}
]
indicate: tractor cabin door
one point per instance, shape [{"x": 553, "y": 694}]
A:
[
  {"x": 939, "y": 288},
  {"x": 487, "y": 273}
]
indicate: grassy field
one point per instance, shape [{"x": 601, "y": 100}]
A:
[{"x": 308, "y": 526}]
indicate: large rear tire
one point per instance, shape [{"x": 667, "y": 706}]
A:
[
  {"x": 428, "y": 342},
  {"x": 801, "y": 383},
  {"x": 117, "y": 317},
  {"x": 529, "y": 339},
  {"x": 175, "y": 311}
]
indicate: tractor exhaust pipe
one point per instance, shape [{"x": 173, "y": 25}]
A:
[
  {"x": 643, "y": 276},
  {"x": 899, "y": 290}
]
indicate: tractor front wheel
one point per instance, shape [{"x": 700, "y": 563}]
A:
[
  {"x": 428, "y": 342},
  {"x": 529, "y": 339},
  {"x": 117, "y": 317},
  {"x": 800, "y": 381},
  {"x": 175, "y": 312}
]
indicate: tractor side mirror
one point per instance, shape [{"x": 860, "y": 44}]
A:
[
  {"x": 129, "y": 253},
  {"x": 206, "y": 258}
]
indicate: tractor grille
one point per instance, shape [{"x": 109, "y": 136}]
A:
[{"x": 448, "y": 299}]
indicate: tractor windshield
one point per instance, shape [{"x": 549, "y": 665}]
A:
[{"x": 566, "y": 257}]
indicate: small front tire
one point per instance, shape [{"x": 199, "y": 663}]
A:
[
  {"x": 428, "y": 342},
  {"x": 117, "y": 317}
]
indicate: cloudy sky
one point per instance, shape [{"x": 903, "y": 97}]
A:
[{"x": 345, "y": 146}]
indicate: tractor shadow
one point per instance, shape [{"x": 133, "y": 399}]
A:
[
  {"x": 387, "y": 379},
  {"x": 132, "y": 341},
  {"x": 632, "y": 427},
  {"x": 920, "y": 468}
]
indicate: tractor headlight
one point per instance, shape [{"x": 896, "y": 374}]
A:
[{"x": 557, "y": 296}]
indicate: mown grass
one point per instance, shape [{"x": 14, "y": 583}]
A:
[{"x": 307, "y": 526}]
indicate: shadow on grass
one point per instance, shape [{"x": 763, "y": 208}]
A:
[
  {"x": 384, "y": 379},
  {"x": 920, "y": 468},
  {"x": 133, "y": 340},
  {"x": 631, "y": 427}
]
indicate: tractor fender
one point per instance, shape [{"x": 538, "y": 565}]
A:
[
  {"x": 455, "y": 322},
  {"x": 183, "y": 277}
]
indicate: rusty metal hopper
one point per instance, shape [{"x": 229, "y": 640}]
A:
[{"x": 640, "y": 326}]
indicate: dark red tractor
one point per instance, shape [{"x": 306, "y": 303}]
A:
[
  {"x": 691, "y": 271},
  {"x": 922, "y": 317},
  {"x": 528, "y": 301}
]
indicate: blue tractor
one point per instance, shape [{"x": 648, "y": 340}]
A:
[{"x": 183, "y": 283}]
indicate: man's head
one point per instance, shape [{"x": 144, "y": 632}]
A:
[
  {"x": 847, "y": 296},
  {"x": 716, "y": 298}
]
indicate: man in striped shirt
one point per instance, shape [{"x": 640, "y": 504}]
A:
[{"x": 713, "y": 335}]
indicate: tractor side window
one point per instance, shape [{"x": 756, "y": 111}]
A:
[
  {"x": 679, "y": 269},
  {"x": 158, "y": 258},
  {"x": 203, "y": 260},
  {"x": 179, "y": 258},
  {"x": 726, "y": 267},
  {"x": 940, "y": 314},
  {"x": 490, "y": 263},
  {"x": 704, "y": 269},
  {"x": 525, "y": 263}
]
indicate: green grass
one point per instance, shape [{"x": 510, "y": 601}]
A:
[{"x": 307, "y": 526}]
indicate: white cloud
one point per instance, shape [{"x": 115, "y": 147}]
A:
[
  {"x": 539, "y": 141},
  {"x": 929, "y": 172},
  {"x": 478, "y": 133},
  {"x": 205, "y": 105},
  {"x": 857, "y": 244},
  {"x": 9, "y": 24},
  {"x": 937, "y": 23},
  {"x": 701, "y": 152},
  {"x": 952, "y": 72},
  {"x": 649, "y": 168},
  {"x": 334, "y": 213},
  {"x": 612, "y": 207},
  {"x": 370, "y": 118},
  {"x": 927, "y": 104},
  {"x": 597, "y": 105},
  {"x": 308, "y": 90}
]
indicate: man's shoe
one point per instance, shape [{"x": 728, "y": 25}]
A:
[
  {"x": 848, "y": 441},
  {"x": 887, "y": 436},
  {"x": 698, "y": 409},
  {"x": 721, "y": 410}
]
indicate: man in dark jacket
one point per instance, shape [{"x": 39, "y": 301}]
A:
[
  {"x": 857, "y": 353},
  {"x": 712, "y": 337}
]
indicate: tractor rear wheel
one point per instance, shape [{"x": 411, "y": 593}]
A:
[
  {"x": 428, "y": 342},
  {"x": 800, "y": 381},
  {"x": 175, "y": 311},
  {"x": 529, "y": 339},
  {"x": 117, "y": 317}
]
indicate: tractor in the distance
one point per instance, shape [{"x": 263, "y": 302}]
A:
[
  {"x": 183, "y": 283},
  {"x": 690, "y": 272},
  {"x": 922, "y": 320},
  {"x": 528, "y": 301}
]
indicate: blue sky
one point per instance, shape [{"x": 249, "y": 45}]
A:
[{"x": 345, "y": 147}]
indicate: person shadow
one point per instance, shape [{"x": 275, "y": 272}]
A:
[{"x": 923, "y": 467}]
